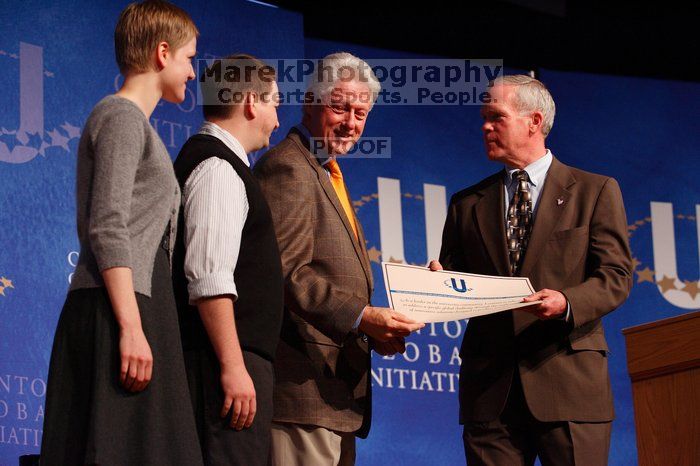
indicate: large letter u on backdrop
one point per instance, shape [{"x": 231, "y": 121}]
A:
[
  {"x": 31, "y": 104},
  {"x": 665, "y": 265}
]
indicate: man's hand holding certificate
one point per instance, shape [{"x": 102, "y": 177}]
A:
[{"x": 439, "y": 296}]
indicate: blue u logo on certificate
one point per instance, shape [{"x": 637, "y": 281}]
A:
[{"x": 459, "y": 288}]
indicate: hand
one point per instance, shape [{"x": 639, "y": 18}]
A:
[
  {"x": 239, "y": 395},
  {"x": 388, "y": 348},
  {"x": 383, "y": 324},
  {"x": 136, "y": 359},
  {"x": 435, "y": 265},
  {"x": 553, "y": 304}
]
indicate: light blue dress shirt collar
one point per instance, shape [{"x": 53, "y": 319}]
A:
[{"x": 537, "y": 170}]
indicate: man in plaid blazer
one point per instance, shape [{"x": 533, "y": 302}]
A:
[{"x": 322, "y": 388}]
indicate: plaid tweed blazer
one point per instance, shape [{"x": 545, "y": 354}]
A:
[{"x": 322, "y": 364}]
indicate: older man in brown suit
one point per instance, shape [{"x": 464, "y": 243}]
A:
[
  {"x": 322, "y": 387},
  {"x": 534, "y": 382}
]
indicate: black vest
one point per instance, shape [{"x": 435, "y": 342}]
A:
[{"x": 258, "y": 274}]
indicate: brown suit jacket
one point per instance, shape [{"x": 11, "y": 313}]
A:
[
  {"x": 322, "y": 364},
  {"x": 578, "y": 246}
]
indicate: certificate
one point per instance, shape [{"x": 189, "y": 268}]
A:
[{"x": 440, "y": 296}]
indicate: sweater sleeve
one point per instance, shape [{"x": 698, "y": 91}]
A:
[{"x": 118, "y": 146}]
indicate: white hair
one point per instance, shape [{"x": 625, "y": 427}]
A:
[
  {"x": 531, "y": 95},
  {"x": 342, "y": 65}
]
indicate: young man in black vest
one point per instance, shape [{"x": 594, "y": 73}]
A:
[{"x": 226, "y": 267}]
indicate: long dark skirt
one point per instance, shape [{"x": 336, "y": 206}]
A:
[{"x": 90, "y": 418}]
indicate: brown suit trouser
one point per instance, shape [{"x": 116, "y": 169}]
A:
[{"x": 517, "y": 438}]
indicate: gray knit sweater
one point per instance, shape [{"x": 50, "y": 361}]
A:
[{"x": 126, "y": 195}]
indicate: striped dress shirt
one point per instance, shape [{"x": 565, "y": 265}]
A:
[{"x": 215, "y": 210}]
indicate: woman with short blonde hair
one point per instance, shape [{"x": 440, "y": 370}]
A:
[{"x": 117, "y": 390}]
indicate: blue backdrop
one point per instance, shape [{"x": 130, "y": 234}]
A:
[{"x": 56, "y": 62}]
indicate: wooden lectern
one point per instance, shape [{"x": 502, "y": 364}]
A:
[{"x": 663, "y": 360}]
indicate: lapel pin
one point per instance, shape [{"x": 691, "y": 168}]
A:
[{"x": 560, "y": 201}]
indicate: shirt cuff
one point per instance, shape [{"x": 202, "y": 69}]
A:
[
  {"x": 356, "y": 325},
  {"x": 216, "y": 284},
  {"x": 567, "y": 315}
]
